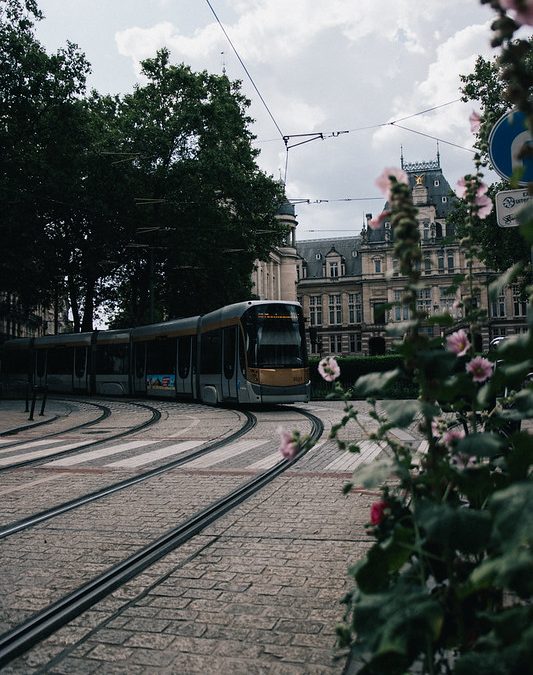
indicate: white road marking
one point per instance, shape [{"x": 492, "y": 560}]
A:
[
  {"x": 154, "y": 455},
  {"x": 226, "y": 452},
  {"x": 97, "y": 454},
  {"x": 30, "y": 444},
  {"x": 267, "y": 462},
  {"x": 348, "y": 461},
  {"x": 14, "y": 459}
]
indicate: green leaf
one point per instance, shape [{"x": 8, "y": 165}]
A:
[
  {"x": 374, "y": 383},
  {"x": 504, "y": 280},
  {"x": 525, "y": 220},
  {"x": 483, "y": 444},
  {"x": 401, "y": 413},
  {"x": 374, "y": 474},
  {"x": 455, "y": 528}
]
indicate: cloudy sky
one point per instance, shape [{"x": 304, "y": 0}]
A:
[{"x": 349, "y": 66}]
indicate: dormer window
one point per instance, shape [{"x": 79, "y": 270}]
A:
[
  {"x": 318, "y": 256},
  {"x": 387, "y": 225},
  {"x": 444, "y": 200},
  {"x": 354, "y": 254},
  {"x": 334, "y": 269},
  {"x": 436, "y": 182}
]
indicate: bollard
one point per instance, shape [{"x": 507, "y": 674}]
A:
[
  {"x": 38, "y": 390},
  {"x": 45, "y": 394}
]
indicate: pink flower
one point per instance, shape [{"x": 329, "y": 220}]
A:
[
  {"x": 462, "y": 461},
  {"x": 480, "y": 368},
  {"x": 438, "y": 426},
  {"x": 475, "y": 122},
  {"x": 522, "y": 9},
  {"x": 384, "y": 180},
  {"x": 329, "y": 368},
  {"x": 288, "y": 446},
  {"x": 377, "y": 512},
  {"x": 376, "y": 223},
  {"x": 481, "y": 200},
  {"x": 458, "y": 343},
  {"x": 484, "y": 205},
  {"x": 452, "y": 435}
]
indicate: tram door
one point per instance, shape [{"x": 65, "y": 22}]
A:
[
  {"x": 39, "y": 373},
  {"x": 79, "y": 380},
  {"x": 229, "y": 353},
  {"x": 139, "y": 367}
]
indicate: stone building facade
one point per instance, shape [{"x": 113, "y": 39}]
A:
[
  {"x": 351, "y": 288},
  {"x": 275, "y": 278}
]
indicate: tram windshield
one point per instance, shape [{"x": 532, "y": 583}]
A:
[{"x": 275, "y": 336}]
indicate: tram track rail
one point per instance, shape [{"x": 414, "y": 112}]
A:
[
  {"x": 42, "y": 624},
  {"x": 105, "y": 413},
  {"x": 156, "y": 416}
]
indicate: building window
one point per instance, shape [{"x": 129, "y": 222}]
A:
[
  {"x": 315, "y": 310},
  {"x": 497, "y": 305},
  {"x": 444, "y": 200},
  {"x": 440, "y": 262},
  {"x": 436, "y": 183},
  {"x": 335, "y": 309},
  {"x": 451, "y": 262},
  {"x": 427, "y": 264},
  {"x": 380, "y": 312},
  {"x": 355, "y": 308},
  {"x": 401, "y": 311},
  {"x": 395, "y": 267},
  {"x": 355, "y": 342},
  {"x": 426, "y": 230},
  {"x": 335, "y": 344},
  {"x": 519, "y": 304},
  {"x": 334, "y": 269},
  {"x": 377, "y": 265},
  {"x": 446, "y": 300},
  {"x": 423, "y": 302}
]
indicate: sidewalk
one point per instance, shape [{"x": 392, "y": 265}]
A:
[{"x": 257, "y": 592}]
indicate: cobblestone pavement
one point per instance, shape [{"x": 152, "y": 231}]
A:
[{"x": 258, "y": 591}]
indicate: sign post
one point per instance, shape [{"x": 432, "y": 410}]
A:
[
  {"x": 506, "y": 140},
  {"x": 508, "y": 205}
]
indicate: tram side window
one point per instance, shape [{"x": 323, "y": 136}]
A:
[
  {"x": 140, "y": 359},
  {"x": 229, "y": 352},
  {"x": 60, "y": 360},
  {"x": 16, "y": 362},
  {"x": 111, "y": 359},
  {"x": 40, "y": 362},
  {"x": 184, "y": 356},
  {"x": 161, "y": 357},
  {"x": 211, "y": 352},
  {"x": 80, "y": 357}
]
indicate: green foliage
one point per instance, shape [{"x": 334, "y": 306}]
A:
[
  {"x": 149, "y": 205},
  {"x": 446, "y": 586}
]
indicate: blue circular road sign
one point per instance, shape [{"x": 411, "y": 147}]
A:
[{"x": 506, "y": 139}]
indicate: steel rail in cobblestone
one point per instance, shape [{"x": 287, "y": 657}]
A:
[
  {"x": 37, "y": 518},
  {"x": 42, "y": 624},
  {"x": 156, "y": 416},
  {"x": 106, "y": 412}
]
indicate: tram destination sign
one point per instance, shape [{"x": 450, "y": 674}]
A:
[{"x": 508, "y": 204}]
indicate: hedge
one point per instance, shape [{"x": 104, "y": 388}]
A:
[{"x": 353, "y": 367}]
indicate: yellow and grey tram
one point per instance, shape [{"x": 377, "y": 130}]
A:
[{"x": 249, "y": 352}]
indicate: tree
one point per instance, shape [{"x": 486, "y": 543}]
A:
[
  {"x": 205, "y": 210},
  {"x": 484, "y": 86},
  {"x": 35, "y": 89}
]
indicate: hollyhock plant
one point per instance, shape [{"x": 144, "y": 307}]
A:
[
  {"x": 481, "y": 200},
  {"x": 329, "y": 368},
  {"x": 288, "y": 445},
  {"x": 522, "y": 9},
  {"x": 480, "y": 368},
  {"x": 376, "y": 223},
  {"x": 458, "y": 342},
  {"x": 383, "y": 181},
  {"x": 475, "y": 122},
  {"x": 377, "y": 512},
  {"x": 452, "y": 435}
]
